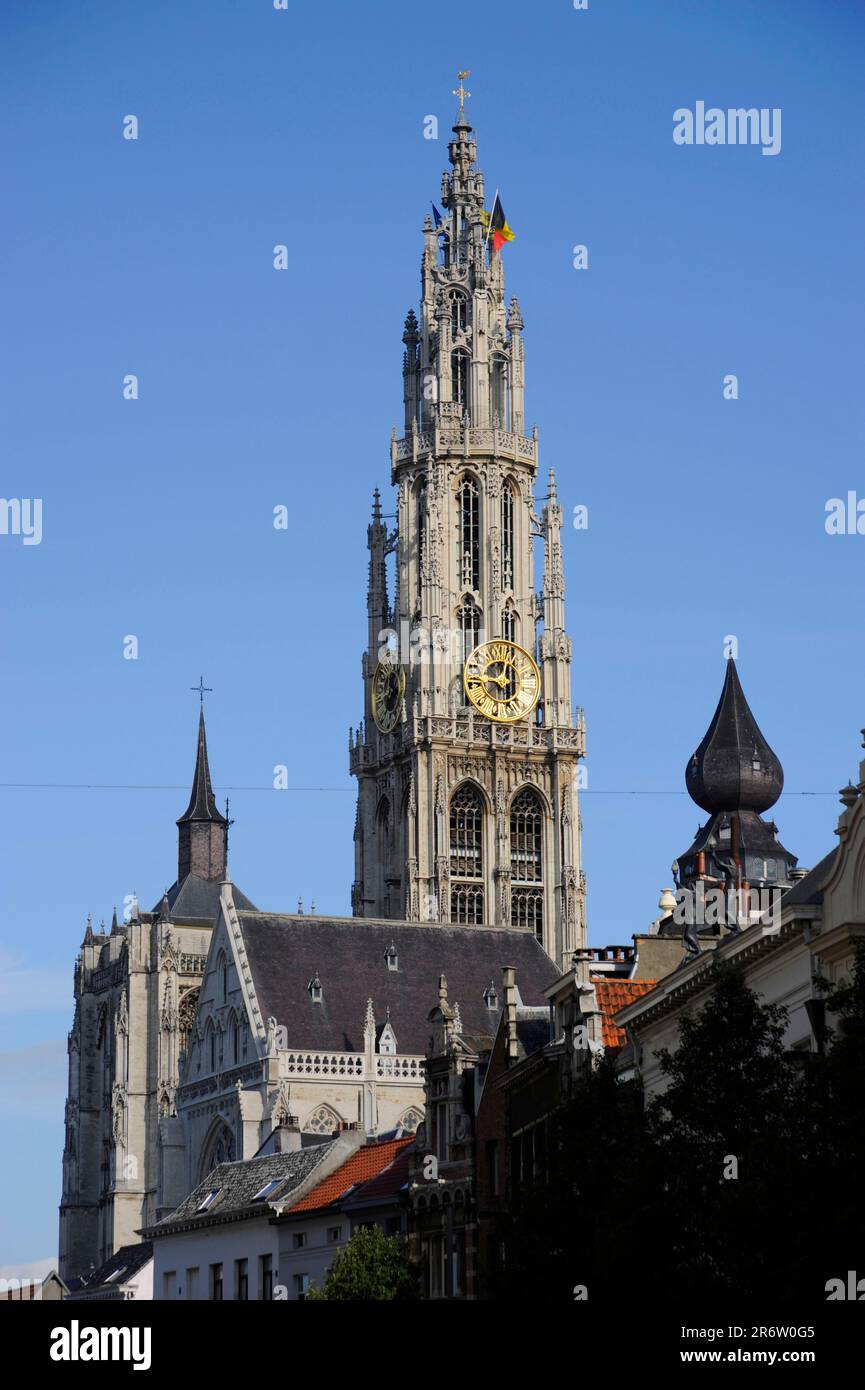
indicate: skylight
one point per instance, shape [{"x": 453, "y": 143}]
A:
[
  {"x": 208, "y": 1200},
  {"x": 268, "y": 1188}
]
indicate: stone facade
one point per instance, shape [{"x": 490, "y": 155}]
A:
[{"x": 462, "y": 559}]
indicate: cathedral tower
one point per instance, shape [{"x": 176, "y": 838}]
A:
[{"x": 467, "y": 756}]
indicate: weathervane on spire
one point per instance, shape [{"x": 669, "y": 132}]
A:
[
  {"x": 461, "y": 91},
  {"x": 202, "y": 689}
]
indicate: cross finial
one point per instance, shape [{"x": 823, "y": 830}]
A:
[
  {"x": 461, "y": 91},
  {"x": 202, "y": 689}
]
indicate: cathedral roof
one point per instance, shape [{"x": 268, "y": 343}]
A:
[
  {"x": 196, "y": 899},
  {"x": 348, "y": 955},
  {"x": 734, "y": 769},
  {"x": 202, "y": 803}
]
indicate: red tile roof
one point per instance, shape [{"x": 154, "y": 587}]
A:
[
  {"x": 613, "y": 995},
  {"x": 367, "y": 1162}
]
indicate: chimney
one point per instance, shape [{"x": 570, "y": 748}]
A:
[
  {"x": 509, "y": 988},
  {"x": 287, "y": 1136}
]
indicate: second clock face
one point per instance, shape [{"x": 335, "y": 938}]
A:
[
  {"x": 502, "y": 681},
  {"x": 388, "y": 688}
]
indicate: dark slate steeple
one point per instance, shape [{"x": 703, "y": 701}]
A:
[
  {"x": 734, "y": 775},
  {"x": 734, "y": 769},
  {"x": 202, "y": 831}
]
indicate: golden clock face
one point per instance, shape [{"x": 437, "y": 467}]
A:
[
  {"x": 502, "y": 681},
  {"x": 388, "y": 688}
]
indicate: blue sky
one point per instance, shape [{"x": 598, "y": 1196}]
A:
[{"x": 258, "y": 388}]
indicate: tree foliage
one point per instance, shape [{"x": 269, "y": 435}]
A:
[
  {"x": 742, "y": 1178},
  {"x": 372, "y": 1267}
]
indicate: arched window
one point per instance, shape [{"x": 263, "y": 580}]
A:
[
  {"x": 218, "y": 1149},
  {"x": 222, "y": 978},
  {"x": 235, "y": 1040},
  {"x": 323, "y": 1120},
  {"x": 526, "y": 833},
  {"x": 459, "y": 312},
  {"x": 409, "y": 1121},
  {"x": 527, "y": 822},
  {"x": 186, "y": 1016},
  {"x": 509, "y": 624},
  {"x": 499, "y": 393},
  {"x": 527, "y": 909},
  {"x": 421, "y": 530},
  {"x": 466, "y": 857},
  {"x": 210, "y": 1044},
  {"x": 460, "y": 377},
  {"x": 507, "y": 537},
  {"x": 468, "y": 520},
  {"x": 469, "y": 617}
]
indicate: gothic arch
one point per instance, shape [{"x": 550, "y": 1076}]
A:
[
  {"x": 468, "y": 819},
  {"x": 186, "y": 1012},
  {"x": 409, "y": 1121},
  {"x": 527, "y": 821},
  {"x": 221, "y": 978},
  {"x": 322, "y": 1120},
  {"x": 469, "y": 518},
  {"x": 218, "y": 1147}
]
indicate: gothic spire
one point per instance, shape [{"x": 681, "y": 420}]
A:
[
  {"x": 202, "y": 803},
  {"x": 734, "y": 769},
  {"x": 202, "y": 831}
]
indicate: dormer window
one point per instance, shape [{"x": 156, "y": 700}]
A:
[
  {"x": 491, "y": 999},
  {"x": 316, "y": 993},
  {"x": 391, "y": 957}
]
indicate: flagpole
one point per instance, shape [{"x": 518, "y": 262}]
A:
[{"x": 490, "y": 223}]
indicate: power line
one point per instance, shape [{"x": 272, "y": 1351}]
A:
[{"x": 181, "y": 787}]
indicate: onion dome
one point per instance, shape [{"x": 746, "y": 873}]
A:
[{"x": 734, "y": 769}]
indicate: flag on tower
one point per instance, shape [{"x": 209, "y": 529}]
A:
[
  {"x": 437, "y": 217},
  {"x": 497, "y": 223}
]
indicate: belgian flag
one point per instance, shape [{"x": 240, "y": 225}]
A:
[{"x": 497, "y": 223}]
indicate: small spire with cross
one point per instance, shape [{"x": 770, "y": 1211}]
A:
[
  {"x": 202, "y": 689},
  {"x": 460, "y": 91}
]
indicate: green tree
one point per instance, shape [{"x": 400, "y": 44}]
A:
[{"x": 372, "y": 1266}]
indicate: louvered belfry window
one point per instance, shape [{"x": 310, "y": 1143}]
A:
[
  {"x": 466, "y": 856},
  {"x": 469, "y": 524}
]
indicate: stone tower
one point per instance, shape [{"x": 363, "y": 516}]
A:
[
  {"x": 463, "y": 817},
  {"x": 136, "y": 995}
]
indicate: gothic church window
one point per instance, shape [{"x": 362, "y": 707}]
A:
[
  {"x": 466, "y": 855},
  {"x": 459, "y": 313},
  {"x": 526, "y": 831},
  {"x": 469, "y": 524},
  {"x": 469, "y": 617},
  {"x": 527, "y": 903},
  {"x": 323, "y": 1120},
  {"x": 460, "y": 378},
  {"x": 509, "y": 624},
  {"x": 409, "y": 1121},
  {"x": 499, "y": 393},
  {"x": 421, "y": 521},
  {"x": 507, "y": 538}
]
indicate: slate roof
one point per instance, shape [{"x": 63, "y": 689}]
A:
[
  {"x": 613, "y": 995},
  {"x": 721, "y": 775},
  {"x": 202, "y": 803},
  {"x": 810, "y": 888},
  {"x": 197, "y": 900},
  {"x": 369, "y": 1161},
  {"x": 238, "y": 1183},
  {"x": 347, "y": 954},
  {"x": 122, "y": 1266},
  {"x": 533, "y": 1029}
]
